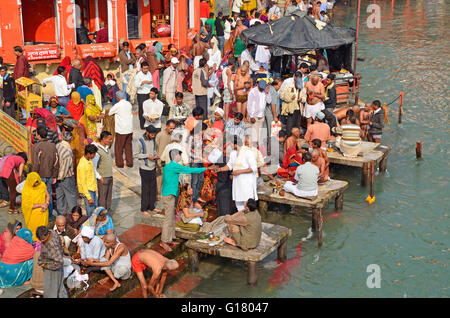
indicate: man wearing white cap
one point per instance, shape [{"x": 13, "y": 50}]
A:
[
  {"x": 258, "y": 97},
  {"x": 92, "y": 247},
  {"x": 169, "y": 87}
]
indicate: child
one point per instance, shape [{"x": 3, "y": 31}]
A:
[{"x": 112, "y": 87}]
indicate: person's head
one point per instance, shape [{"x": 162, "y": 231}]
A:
[
  {"x": 314, "y": 79},
  {"x": 126, "y": 46},
  {"x": 232, "y": 62},
  {"x": 310, "y": 12},
  {"x": 150, "y": 132},
  {"x": 235, "y": 15},
  {"x": 18, "y": 50},
  {"x": 61, "y": 70},
  {"x": 315, "y": 155},
  {"x": 171, "y": 265},
  {"x": 170, "y": 126},
  {"x": 276, "y": 83},
  {"x": 106, "y": 138},
  {"x": 186, "y": 188},
  {"x": 376, "y": 104},
  {"x": 330, "y": 79},
  {"x": 153, "y": 93},
  {"x": 243, "y": 69},
  {"x": 218, "y": 114},
  {"x": 211, "y": 15},
  {"x": 175, "y": 155},
  {"x": 303, "y": 68},
  {"x": 101, "y": 215},
  {"x": 53, "y": 102},
  {"x": 250, "y": 205},
  {"x": 174, "y": 62},
  {"x": 110, "y": 240},
  {"x": 87, "y": 81},
  {"x": 179, "y": 98},
  {"x": 316, "y": 143},
  {"x": 42, "y": 233},
  {"x": 23, "y": 155},
  {"x": 262, "y": 84},
  {"x": 295, "y": 131},
  {"x": 144, "y": 67},
  {"x": 220, "y": 15},
  {"x": 198, "y": 112},
  {"x": 3, "y": 70},
  {"x": 138, "y": 52},
  {"x": 120, "y": 95},
  {"x": 250, "y": 47},
  {"x": 323, "y": 13},
  {"x": 76, "y": 63},
  {"x": 76, "y": 213},
  {"x": 102, "y": 24},
  {"x": 238, "y": 117},
  {"x": 306, "y": 157},
  {"x": 282, "y": 134},
  {"x": 87, "y": 234},
  {"x": 349, "y": 113},
  {"x": 319, "y": 116},
  {"x": 60, "y": 223},
  {"x": 177, "y": 137},
  {"x": 90, "y": 151},
  {"x": 42, "y": 132},
  {"x": 367, "y": 107},
  {"x": 202, "y": 62}
]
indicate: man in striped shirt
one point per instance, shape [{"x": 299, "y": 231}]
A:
[{"x": 66, "y": 187}]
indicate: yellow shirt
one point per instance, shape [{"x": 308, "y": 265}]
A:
[{"x": 85, "y": 177}]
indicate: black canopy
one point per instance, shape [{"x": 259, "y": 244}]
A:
[{"x": 295, "y": 34}]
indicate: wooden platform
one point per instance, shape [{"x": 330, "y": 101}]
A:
[
  {"x": 273, "y": 237},
  {"x": 332, "y": 190},
  {"x": 371, "y": 152}
]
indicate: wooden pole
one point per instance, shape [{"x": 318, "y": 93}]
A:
[
  {"x": 372, "y": 178},
  {"x": 400, "y": 107},
  {"x": 320, "y": 222},
  {"x": 252, "y": 277},
  {"x": 356, "y": 49},
  {"x": 282, "y": 251},
  {"x": 193, "y": 260},
  {"x": 419, "y": 150},
  {"x": 364, "y": 174}
]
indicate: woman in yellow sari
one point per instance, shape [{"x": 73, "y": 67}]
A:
[
  {"x": 35, "y": 201},
  {"x": 92, "y": 114}
]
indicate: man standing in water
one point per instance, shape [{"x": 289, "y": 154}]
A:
[{"x": 159, "y": 266}]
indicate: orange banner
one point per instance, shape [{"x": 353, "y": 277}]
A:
[
  {"x": 42, "y": 52},
  {"x": 97, "y": 50},
  {"x": 13, "y": 133}
]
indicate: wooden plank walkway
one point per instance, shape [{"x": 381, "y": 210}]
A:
[
  {"x": 333, "y": 189},
  {"x": 273, "y": 237},
  {"x": 371, "y": 152}
]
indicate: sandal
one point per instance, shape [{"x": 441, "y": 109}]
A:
[
  {"x": 145, "y": 213},
  {"x": 12, "y": 211},
  {"x": 3, "y": 204}
]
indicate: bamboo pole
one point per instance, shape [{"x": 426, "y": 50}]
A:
[
  {"x": 356, "y": 48},
  {"x": 419, "y": 150},
  {"x": 400, "y": 107}
]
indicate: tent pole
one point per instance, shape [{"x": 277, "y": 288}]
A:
[{"x": 356, "y": 50}]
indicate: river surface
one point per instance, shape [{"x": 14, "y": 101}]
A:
[{"x": 406, "y": 231}]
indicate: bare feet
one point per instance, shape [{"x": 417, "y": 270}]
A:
[
  {"x": 103, "y": 280},
  {"x": 157, "y": 210},
  {"x": 161, "y": 296},
  {"x": 165, "y": 247},
  {"x": 116, "y": 285},
  {"x": 229, "y": 241},
  {"x": 27, "y": 283},
  {"x": 145, "y": 213}
]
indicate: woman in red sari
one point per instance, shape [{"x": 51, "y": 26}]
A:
[
  {"x": 93, "y": 71},
  {"x": 292, "y": 159},
  {"x": 67, "y": 63}
]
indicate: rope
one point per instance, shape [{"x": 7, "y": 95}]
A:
[{"x": 394, "y": 100}]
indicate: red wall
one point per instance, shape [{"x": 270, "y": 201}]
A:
[{"x": 39, "y": 21}]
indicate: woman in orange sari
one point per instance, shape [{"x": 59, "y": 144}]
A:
[{"x": 291, "y": 161}]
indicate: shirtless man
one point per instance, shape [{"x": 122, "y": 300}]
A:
[
  {"x": 316, "y": 95},
  {"x": 365, "y": 115},
  {"x": 159, "y": 266},
  {"x": 316, "y": 143},
  {"x": 318, "y": 161},
  {"x": 350, "y": 118},
  {"x": 242, "y": 85},
  {"x": 293, "y": 140},
  {"x": 198, "y": 48},
  {"x": 116, "y": 263},
  {"x": 342, "y": 112}
]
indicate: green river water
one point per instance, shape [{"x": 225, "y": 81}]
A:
[{"x": 405, "y": 231}]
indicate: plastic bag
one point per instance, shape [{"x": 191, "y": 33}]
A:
[
  {"x": 19, "y": 187},
  {"x": 276, "y": 127}
]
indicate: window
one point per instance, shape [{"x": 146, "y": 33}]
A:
[
  {"x": 39, "y": 26},
  {"x": 91, "y": 18},
  {"x": 133, "y": 19}
]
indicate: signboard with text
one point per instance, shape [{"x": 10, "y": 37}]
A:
[
  {"x": 13, "y": 133},
  {"x": 97, "y": 50},
  {"x": 42, "y": 52}
]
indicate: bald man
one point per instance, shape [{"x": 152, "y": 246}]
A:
[
  {"x": 159, "y": 266},
  {"x": 293, "y": 140},
  {"x": 116, "y": 263},
  {"x": 316, "y": 95},
  {"x": 66, "y": 232},
  {"x": 75, "y": 76}
]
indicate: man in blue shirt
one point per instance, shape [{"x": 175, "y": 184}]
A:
[
  {"x": 171, "y": 173},
  {"x": 84, "y": 90}
]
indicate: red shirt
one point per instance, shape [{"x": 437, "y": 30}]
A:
[
  {"x": 204, "y": 10},
  {"x": 102, "y": 36}
]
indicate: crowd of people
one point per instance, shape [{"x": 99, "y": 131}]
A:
[{"x": 251, "y": 121}]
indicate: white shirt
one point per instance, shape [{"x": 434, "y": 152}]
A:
[
  {"x": 302, "y": 6},
  {"x": 253, "y": 21},
  {"x": 244, "y": 185},
  {"x": 237, "y": 6},
  {"x": 246, "y": 56},
  {"x": 262, "y": 54},
  {"x": 150, "y": 107},
  {"x": 227, "y": 30},
  {"x": 139, "y": 78},
  {"x": 59, "y": 85},
  {"x": 275, "y": 10},
  {"x": 124, "y": 117},
  {"x": 256, "y": 103}
]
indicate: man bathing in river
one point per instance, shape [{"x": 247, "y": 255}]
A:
[{"x": 159, "y": 266}]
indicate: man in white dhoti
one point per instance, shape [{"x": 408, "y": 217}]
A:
[
  {"x": 306, "y": 176},
  {"x": 316, "y": 95},
  {"x": 243, "y": 163}
]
